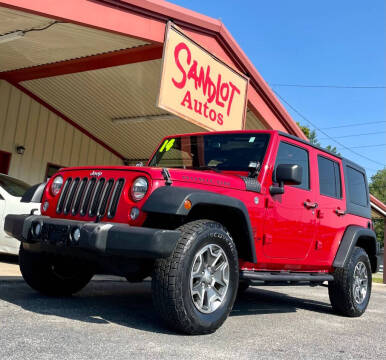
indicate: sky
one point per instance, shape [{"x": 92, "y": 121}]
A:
[{"x": 330, "y": 42}]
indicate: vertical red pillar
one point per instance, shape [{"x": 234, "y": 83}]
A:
[{"x": 384, "y": 252}]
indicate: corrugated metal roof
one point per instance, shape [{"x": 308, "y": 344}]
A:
[
  {"x": 93, "y": 98},
  {"x": 252, "y": 122},
  {"x": 11, "y": 20},
  {"x": 62, "y": 41}
]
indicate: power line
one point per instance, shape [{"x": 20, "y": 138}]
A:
[
  {"x": 365, "y": 146},
  {"x": 353, "y": 135},
  {"x": 356, "y": 124},
  {"x": 331, "y": 86},
  {"x": 324, "y": 133},
  {"x": 370, "y": 169}
]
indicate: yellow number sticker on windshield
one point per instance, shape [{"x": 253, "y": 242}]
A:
[{"x": 167, "y": 145}]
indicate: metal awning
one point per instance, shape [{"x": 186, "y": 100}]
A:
[
  {"x": 118, "y": 105},
  {"x": 95, "y": 65},
  {"x": 59, "y": 42}
]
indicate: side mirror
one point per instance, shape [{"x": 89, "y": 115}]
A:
[
  {"x": 289, "y": 174},
  {"x": 286, "y": 174}
]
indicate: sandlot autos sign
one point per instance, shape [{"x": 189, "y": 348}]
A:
[{"x": 200, "y": 88}]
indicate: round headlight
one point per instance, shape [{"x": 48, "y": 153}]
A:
[
  {"x": 56, "y": 185},
  {"x": 139, "y": 188}
]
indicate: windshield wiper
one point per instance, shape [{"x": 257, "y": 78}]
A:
[{"x": 207, "y": 168}]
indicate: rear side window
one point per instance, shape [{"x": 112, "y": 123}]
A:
[
  {"x": 329, "y": 178},
  {"x": 357, "y": 186},
  {"x": 291, "y": 154}
]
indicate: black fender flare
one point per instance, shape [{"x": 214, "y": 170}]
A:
[
  {"x": 170, "y": 200},
  {"x": 350, "y": 239},
  {"x": 34, "y": 193}
]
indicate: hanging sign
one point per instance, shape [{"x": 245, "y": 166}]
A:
[{"x": 199, "y": 87}]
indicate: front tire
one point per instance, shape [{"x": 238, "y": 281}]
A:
[
  {"x": 52, "y": 276},
  {"x": 351, "y": 289},
  {"x": 195, "y": 288}
]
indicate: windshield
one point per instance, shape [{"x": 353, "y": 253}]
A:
[
  {"x": 13, "y": 186},
  {"x": 232, "y": 152}
]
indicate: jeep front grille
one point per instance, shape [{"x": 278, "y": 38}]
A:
[{"x": 90, "y": 196}]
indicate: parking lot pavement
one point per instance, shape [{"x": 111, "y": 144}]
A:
[
  {"x": 116, "y": 320},
  {"x": 9, "y": 268}
]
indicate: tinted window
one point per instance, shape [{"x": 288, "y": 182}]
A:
[
  {"x": 329, "y": 177},
  {"x": 357, "y": 187},
  {"x": 231, "y": 152},
  {"x": 290, "y": 154},
  {"x": 13, "y": 186}
]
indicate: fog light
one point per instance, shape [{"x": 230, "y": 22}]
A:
[
  {"x": 45, "y": 206},
  {"x": 134, "y": 213},
  {"x": 36, "y": 229},
  {"x": 76, "y": 235}
]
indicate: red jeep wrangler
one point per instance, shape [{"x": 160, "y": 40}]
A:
[{"x": 211, "y": 214}]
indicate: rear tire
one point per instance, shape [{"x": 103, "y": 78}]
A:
[
  {"x": 351, "y": 289},
  {"x": 52, "y": 276},
  {"x": 192, "y": 291}
]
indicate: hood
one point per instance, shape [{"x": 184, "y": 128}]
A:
[{"x": 207, "y": 177}]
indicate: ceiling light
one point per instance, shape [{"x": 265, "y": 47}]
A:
[
  {"x": 142, "y": 118},
  {"x": 11, "y": 36},
  {"x": 20, "y": 149}
]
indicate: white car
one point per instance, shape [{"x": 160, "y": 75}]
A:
[{"x": 11, "y": 191}]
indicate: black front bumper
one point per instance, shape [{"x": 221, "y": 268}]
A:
[{"x": 103, "y": 238}]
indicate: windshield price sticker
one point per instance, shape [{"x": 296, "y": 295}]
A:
[{"x": 167, "y": 145}]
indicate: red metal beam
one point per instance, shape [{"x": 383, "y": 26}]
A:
[
  {"x": 65, "y": 118},
  {"x": 96, "y": 15},
  {"x": 115, "y": 58},
  {"x": 377, "y": 202}
]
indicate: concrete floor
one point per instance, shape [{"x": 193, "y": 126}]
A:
[{"x": 111, "y": 319}]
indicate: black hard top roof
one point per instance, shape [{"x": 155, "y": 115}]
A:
[{"x": 347, "y": 161}]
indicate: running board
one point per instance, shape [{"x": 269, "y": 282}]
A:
[{"x": 280, "y": 276}]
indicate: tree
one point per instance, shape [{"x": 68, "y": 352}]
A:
[
  {"x": 377, "y": 187},
  {"x": 311, "y": 135}
]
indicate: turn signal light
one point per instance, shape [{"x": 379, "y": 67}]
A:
[{"x": 187, "y": 204}]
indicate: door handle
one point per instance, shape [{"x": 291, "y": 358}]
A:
[
  {"x": 340, "y": 212},
  {"x": 310, "y": 205}
]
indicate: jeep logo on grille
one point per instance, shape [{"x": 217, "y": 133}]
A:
[{"x": 96, "y": 173}]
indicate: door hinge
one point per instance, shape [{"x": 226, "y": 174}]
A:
[{"x": 269, "y": 204}]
